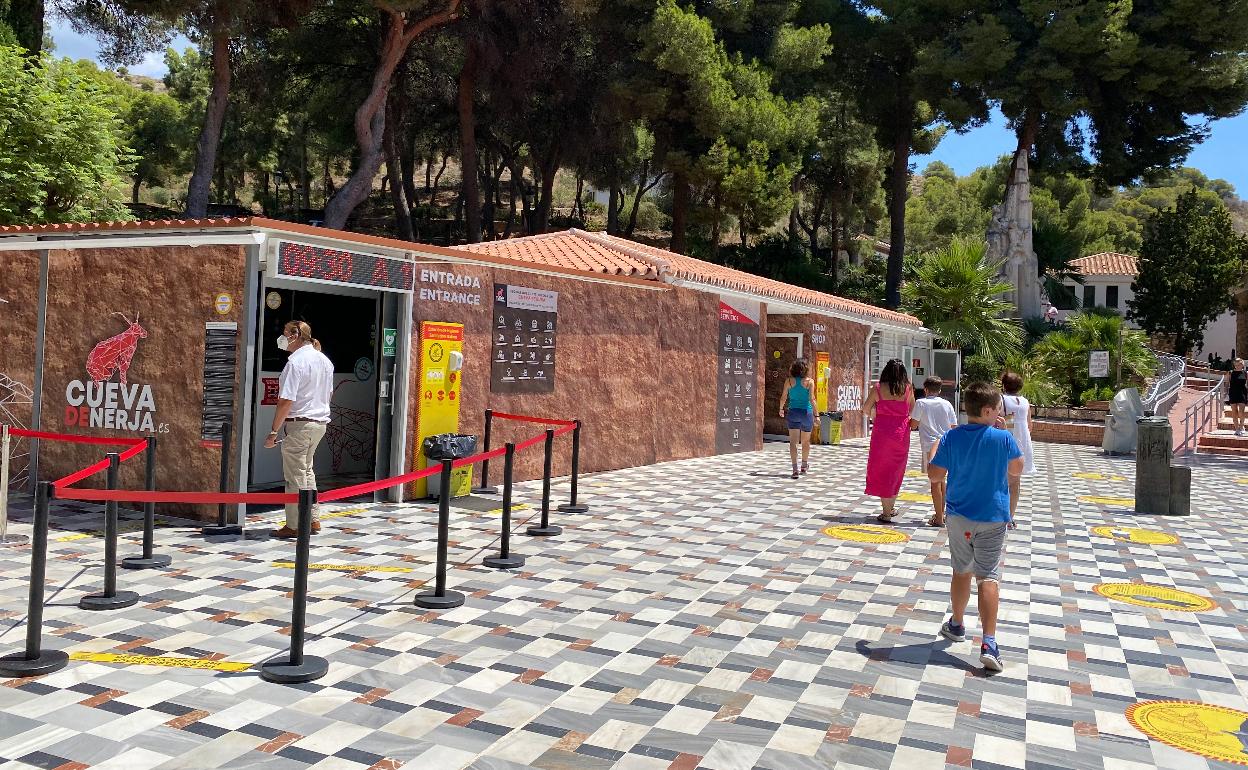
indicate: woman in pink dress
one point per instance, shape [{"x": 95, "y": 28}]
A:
[{"x": 889, "y": 405}]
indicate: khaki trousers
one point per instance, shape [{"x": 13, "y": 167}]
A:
[{"x": 298, "y": 454}]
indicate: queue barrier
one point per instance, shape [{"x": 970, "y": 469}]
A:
[{"x": 295, "y": 667}]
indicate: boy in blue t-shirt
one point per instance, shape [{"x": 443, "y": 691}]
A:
[{"x": 979, "y": 460}]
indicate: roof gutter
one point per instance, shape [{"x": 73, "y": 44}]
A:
[
  {"x": 874, "y": 323},
  {"x": 68, "y": 243}
]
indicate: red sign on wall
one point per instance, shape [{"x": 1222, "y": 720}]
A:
[{"x": 270, "y": 391}]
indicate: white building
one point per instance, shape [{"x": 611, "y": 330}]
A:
[{"x": 1107, "y": 279}]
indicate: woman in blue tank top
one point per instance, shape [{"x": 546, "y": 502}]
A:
[{"x": 798, "y": 410}]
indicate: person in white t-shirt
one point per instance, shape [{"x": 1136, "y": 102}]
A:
[
  {"x": 933, "y": 416},
  {"x": 304, "y": 390}
]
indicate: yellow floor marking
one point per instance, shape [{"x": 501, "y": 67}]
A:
[
  {"x": 916, "y": 475},
  {"x": 346, "y": 567},
  {"x": 147, "y": 660},
  {"x": 340, "y": 514},
  {"x": 514, "y": 508},
  {"x": 1116, "y": 502},
  {"x": 129, "y": 530},
  {"x": 1098, "y": 477},
  {"x": 914, "y": 497}
]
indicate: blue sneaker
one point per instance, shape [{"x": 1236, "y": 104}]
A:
[
  {"x": 990, "y": 656},
  {"x": 953, "y": 633}
]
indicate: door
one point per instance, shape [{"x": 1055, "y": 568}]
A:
[
  {"x": 388, "y": 354},
  {"x": 782, "y": 351},
  {"x": 947, "y": 365}
]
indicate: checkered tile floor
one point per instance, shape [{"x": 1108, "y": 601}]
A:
[{"x": 696, "y": 617}]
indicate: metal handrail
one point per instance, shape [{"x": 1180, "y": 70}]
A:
[
  {"x": 1207, "y": 408},
  {"x": 1172, "y": 372}
]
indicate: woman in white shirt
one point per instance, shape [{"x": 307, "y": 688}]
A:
[{"x": 1016, "y": 413}]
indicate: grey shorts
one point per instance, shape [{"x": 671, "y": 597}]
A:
[{"x": 977, "y": 546}]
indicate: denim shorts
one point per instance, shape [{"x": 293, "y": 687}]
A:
[{"x": 800, "y": 419}]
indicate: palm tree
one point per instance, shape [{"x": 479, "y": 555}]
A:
[
  {"x": 956, "y": 293},
  {"x": 1065, "y": 355}
]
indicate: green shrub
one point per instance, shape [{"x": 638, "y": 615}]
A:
[{"x": 650, "y": 218}]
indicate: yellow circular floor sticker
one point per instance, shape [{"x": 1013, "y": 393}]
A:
[
  {"x": 1099, "y": 476},
  {"x": 1213, "y": 732},
  {"x": 1136, "y": 535},
  {"x": 1115, "y": 502},
  {"x": 866, "y": 533},
  {"x": 1157, "y": 597}
]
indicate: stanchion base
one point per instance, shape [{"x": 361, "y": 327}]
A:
[
  {"x": 157, "y": 561},
  {"x": 215, "y": 531},
  {"x": 10, "y": 540},
  {"x": 573, "y": 508},
  {"x": 102, "y": 602},
  {"x": 281, "y": 671},
  {"x": 47, "y": 662},
  {"x": 490, "y": 490},
  {"x": 432, "y": 601},
  {"x": 503, "y": 562},
  {"x": 550, "y": 531}
]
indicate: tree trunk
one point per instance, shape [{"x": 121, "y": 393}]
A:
[
  {"x": 402, "y": 215},
  {"x": 134, "y": 196},
  {"x": 26, "y": 19},
  {"x": 680, "y": 211},
  {"x": 468, "y": 146},
  {"x": 549, "y": 168},
  {"x": 370, "y": 117},
  {"x": 1010, "y": 228},
  {"x": 437, "y": 180},
  {"x": 214, "y": 119},
  {"x": 613, "y": 210},
  {"x": 716, "y": 221},
  {"x": 407, "y": 167},
  {"x": 305, "y": 175},
  {"x": 578, "y": 208},
  {"x": 834, "y": 258},
  {"x": 795, "y": 188},
  {"x": 429, "y": 176},
  {"x": 900, "y": 187},
  {"x": 329, "y": 183},
  {"x": 641, "y": 190}
]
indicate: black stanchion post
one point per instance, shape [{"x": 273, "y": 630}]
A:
[
  {"x": 297, "y": 667},
  {"x": 110, "y": 598},
  {"x": 484, "y": 487},
  {"x": 35, "y": 661},
  {"x": 442, "y": 599},
  {"x": 221, "y": 527},
  {"x": 572, "y": 506},
  {"x": 506, "y": 559},
  {"x": 546, "y": 529},
  {"x": 148, "y": 560}
]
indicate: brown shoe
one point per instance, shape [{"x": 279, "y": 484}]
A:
[
  {"x": 286, "y": 533},
  {"x": 316, "y": 528}
]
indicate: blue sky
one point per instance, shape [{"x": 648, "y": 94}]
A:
[{"x": 1222, "y": 156}]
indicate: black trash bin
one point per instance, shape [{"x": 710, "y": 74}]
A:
[{"x": 446, "y": 446}]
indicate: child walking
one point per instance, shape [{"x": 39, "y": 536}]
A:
[
  {"x": 976, "y": 460},
  {"x": 933, "y": 416},
  {"x": 798, "y": 410},
  {"x": 1017, "y": 413}
]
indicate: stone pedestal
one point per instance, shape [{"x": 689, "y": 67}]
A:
[
  {"x": 1180, "y": 491},
  {"x": 1152, "y": 465}
]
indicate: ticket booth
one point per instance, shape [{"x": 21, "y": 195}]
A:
[{"x": 357, "y": 305}]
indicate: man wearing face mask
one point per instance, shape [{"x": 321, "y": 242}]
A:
[{"x": 304, "y": 390}]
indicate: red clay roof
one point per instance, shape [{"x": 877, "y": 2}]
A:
[
  {"x": 1107, "y": 263},
  {"x": 153, "y": 224},
  {"x": 612, "y": 255}
]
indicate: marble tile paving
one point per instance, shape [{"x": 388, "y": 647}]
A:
[{"x": 696, "y": 617}]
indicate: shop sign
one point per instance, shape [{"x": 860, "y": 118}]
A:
[
  {"x": 455, "y": 285},
  {"x": 1098, "y": 364},
  {"x": 848, "y": 398},
  {"x": 102, "y": 403},
  {"x": 736, "y": 428},
  {"x": 1203, "y": 729},
  {"x": 271, "y": 389},
  {"x": 818, "y": 334},
  {"x": 349, "y": 268},
  {"x": 224, "y": 303},
  {"x": 526, "y": 324}
]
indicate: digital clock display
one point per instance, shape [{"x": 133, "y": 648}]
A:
[{"x": 299, "y": 260}]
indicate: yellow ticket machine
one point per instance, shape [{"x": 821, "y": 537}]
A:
[{"x": 441, "y": 375}]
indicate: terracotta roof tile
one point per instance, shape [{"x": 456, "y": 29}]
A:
[
  {"x": 1107, "y": 263},
  {"x": 609, "y": 254},
  {"x": 154, "y": 224}
]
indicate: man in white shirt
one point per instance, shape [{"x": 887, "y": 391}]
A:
[
  {"x": 933, "y": 416},
  {"x": 304, "y": 390}
]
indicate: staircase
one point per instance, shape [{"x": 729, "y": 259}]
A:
[{"x": 1218, "y": 434}]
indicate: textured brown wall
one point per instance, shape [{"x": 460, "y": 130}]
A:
[
  {"x": 19, "y": 284},
  {"x": 636, "y": 366},
  {"x": 845, "y": 342},
  {"x": 173, "y": 291}
]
